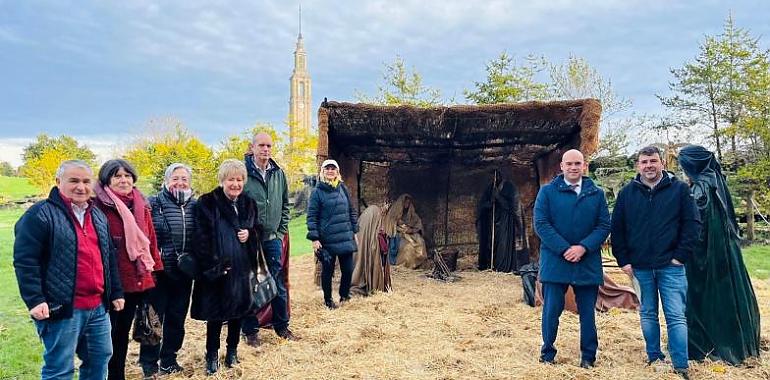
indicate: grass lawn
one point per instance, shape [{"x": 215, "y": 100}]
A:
[
  {"x": 13, "y": 188},
  {"x": 757, "y": 259},
  {"x": 298, "y": 244},
  {"x": 20, "y": 349}
]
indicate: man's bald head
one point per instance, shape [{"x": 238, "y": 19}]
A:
[{"x": 572, "y": 165}]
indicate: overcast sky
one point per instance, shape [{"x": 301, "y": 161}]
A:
[{"x": 99, "y": 70}]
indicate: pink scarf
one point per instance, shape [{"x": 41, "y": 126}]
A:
[{"x": 137, "y": 244}]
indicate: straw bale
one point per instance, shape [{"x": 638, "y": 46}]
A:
[{"x": 476, "y": 328}]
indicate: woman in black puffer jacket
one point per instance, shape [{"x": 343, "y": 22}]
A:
[
  {"x": 173, "y": 216},
  {"x": 331, "y": 226}
]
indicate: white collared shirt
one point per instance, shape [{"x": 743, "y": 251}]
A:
[
  {"x": 261, "y": 172},
  {"x": 80, "y": 213},
  {"x": 578, "y": 185}
]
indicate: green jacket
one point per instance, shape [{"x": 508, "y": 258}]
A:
[{"x": 272, "y": 198}]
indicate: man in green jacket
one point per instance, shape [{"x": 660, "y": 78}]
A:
[{"x": 267, "y": 186}]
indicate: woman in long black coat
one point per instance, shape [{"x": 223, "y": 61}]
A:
[
  {"x": 331, "y": 226},
  {"x": 226, "y": 246}
]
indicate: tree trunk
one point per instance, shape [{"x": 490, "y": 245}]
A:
[
  {"x": 715, "y": 121},
  {"x": 750, "y": 216}
]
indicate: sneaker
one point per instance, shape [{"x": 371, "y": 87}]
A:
[
  {"x": 547, "y": 361},
  {"x": 659, "y": 365},
  {"x": 173, "y": 368},
  {"x": 252, "y": 340},
  {"x": 682, "y": 372},
  {"x": 287, "y": 334}
]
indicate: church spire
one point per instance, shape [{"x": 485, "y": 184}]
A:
[{"x": 300, "y": 85}]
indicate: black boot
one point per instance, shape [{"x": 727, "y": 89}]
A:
[
  {"x": 231, "y": 358},
  {"x": 212, "y": 363},
  {"x": 330, "y": 304}
]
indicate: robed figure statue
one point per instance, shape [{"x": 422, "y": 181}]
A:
[
  {"x": 722, "y": 312},
  {"x": 500, "y": 227}
]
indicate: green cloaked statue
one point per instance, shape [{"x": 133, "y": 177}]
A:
[{"x": 722, "y": 312}]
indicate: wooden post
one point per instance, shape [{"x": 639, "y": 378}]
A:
[
  {"x": 750, "y": 215},
  {"x": 494, "y": 189}
]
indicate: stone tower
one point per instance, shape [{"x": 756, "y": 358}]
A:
[{"x": 300, "y": 98}]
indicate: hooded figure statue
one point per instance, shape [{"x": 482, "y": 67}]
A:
[{"x": 722, "y": 312}]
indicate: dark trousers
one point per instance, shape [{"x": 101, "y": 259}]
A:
[
  {"x": 121, "y": 324},
  {"x": 553, "y": 305},
  {"x": 279, "y": 304},
  {"x": 214, "y": 330},
  {"x": 327, "y": 270},
  {"x": 171, "y": 299}
]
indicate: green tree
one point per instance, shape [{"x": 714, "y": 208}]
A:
[
  {"x": 168, "y": 141},
  {"x": 727, "y": 86},
  {"x": 508, "y": 82},
  {"x": 42, "y": 157},
  {"x": 402, "y": 86},
  {"x": 6, "y": 169},
  {"x": 714, "y": 87},
  {"x": 299, "y": 158},
  {"x": 577, "y": 79}
]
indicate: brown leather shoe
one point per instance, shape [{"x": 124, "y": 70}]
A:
[
  {"x": 252, "y": 340},
  {"x": 287, "y": 334}
]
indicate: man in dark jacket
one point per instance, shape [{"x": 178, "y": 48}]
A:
[
  {"x": 268, "y": 187},
  {"x": 67, "y": 275},
  {"x": 572, "y": 221},
  {"x": 655, "y": 226}
]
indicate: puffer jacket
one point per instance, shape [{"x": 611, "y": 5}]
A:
[
  {"x": 174, "y": 228},
  {"x": 331, "y": 219},
  {"x": 45, "y": 255}
]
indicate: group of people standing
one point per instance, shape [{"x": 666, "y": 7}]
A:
[
  {"x": 92, "y": 254},
  {"x": 679, "y": 242}
]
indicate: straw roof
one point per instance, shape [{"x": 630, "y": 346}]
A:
[{"x": 529, "y": 129}]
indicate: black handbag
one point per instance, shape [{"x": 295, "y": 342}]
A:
[
  {"x": 147, "y": 327},
  {"x": 185, "y": 261},
  {"x": 188, "y": 265},
  {"x": 264, "y": 288}
]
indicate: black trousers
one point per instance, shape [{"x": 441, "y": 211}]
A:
[
  {"x": 121, "y": 324},
  {"x": 327, "y": 270},
  {"x": 171, "y": 299},
  {"x": 214, "y": 330}
]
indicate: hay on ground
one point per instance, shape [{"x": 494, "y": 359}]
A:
[{"x": 477, "y": 328}]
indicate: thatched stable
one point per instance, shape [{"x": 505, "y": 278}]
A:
[{"x": 445, "y": 156}]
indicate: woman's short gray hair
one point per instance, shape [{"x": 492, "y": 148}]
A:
[
  {"x": 171, "y": 168},
  {"x": 229, "y": 167}
]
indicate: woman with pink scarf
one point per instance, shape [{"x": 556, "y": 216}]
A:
[{"x": 133, "y": 235}]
